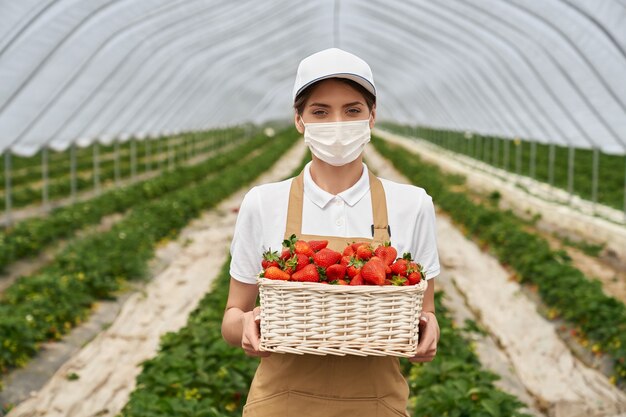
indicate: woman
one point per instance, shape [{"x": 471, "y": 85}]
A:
[{"x": 335, "y": 198}]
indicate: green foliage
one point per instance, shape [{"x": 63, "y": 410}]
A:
[
  {"x": 562, "y": 286},
  {"x": 493, "y": 150},
  {"x": 30, "y": 236},
  {"x": 47, "y": 304}
]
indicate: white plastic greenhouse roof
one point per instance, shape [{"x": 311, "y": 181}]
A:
[{"x": 79, "y": 70}]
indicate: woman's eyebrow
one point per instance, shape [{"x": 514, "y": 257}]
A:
[
  {"x": 352, "y": 104},
  {"x": 318, "y": 104},
  {"x": 345, "y": 105}
]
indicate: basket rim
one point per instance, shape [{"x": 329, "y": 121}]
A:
[{"x": 317, "y": 286}]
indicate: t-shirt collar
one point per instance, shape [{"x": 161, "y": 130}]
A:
[{"x": 321, "y": 197}]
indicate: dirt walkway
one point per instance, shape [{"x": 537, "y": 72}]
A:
[
  {"x": 108, "y": 365},
  {"x": 541, "y": 363}
]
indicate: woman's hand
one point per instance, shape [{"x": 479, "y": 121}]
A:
[
  {"x": 250, "y": 338},
  {"x": 428, "y": 338}
]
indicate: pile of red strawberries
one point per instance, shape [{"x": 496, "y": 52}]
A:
[{"x": 359, "y": 264}]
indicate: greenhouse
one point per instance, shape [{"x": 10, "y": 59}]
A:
[{"x": 150, "y": 149}]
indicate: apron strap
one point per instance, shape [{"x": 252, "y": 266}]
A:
[{"x": 380, "y": 227}]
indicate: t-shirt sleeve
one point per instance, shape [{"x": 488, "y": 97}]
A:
[
  {"x": 426, "y": 232},
  {"x": 246, "y": 248}
]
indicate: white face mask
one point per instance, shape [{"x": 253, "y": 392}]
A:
[{"x": 337, "y": 143}]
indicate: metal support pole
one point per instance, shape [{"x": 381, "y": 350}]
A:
[
  {"x": 570, "y": 171},
  {"x": 116, "y": 163},
  {"x": 73, "y": 171},
  {"x": 551, "y": 165},
  {"x": 594, "y": 178},
  {"x": 160, "y": 154},
  {"x": 96, "y": 172},
  {"x": 170, "y": 154},
  {"x": 518, "y": 157},
  {"x": 496, "y": 151},
  {"x": 148, "y": 162},
  {"x": 533, "y": 155},
  {"x": 7, "y": 186},
  {"x": 133, "y": 158},
  {"x": 507, "y": 144},
  {"x": 44, "y": 173},
  {"x": 625, "y": 189}
]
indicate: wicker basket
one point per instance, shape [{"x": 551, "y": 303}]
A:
[{"x": 314, "y": 318}]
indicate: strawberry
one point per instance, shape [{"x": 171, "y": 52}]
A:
[
  {"x": 297, "y": 246},
  {"x": 348, "y": 251},
  {"x": 386, "y": 252},
  {"x": 355, "y": 245},
  {"x": 326, "y": 257},
  {"x": 296, "y": 263},
  {"x": 270, "y": 259},
  {"x": 345, "y": 260},
  {"x": 342, "y": 282},
  {"x": 274, "y": 272},
  {"x": 357, "y": 280},
  {"x": 336, "y": 271},
  {"x": 317, "y": 245},
  {"x": 307, "y": 274},
  {"x": 414, "y": 278},
  {"x": 285, "y": 254},
  {"x": 364, "y": 252},
  {"x": 401, "y": 265},
  {"x": 373, "y": 272},
  {"x": 354, "y": 267}
]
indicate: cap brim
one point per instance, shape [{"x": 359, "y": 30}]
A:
[{"x": 354, "y": 77}]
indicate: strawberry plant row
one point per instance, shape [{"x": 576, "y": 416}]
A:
[
  {"x": 60, "y": 186},
  {"x": 61, "y": 160},
  {"x": 29, "y": 237},
  {"x": 493, "y": 150},
  {"x": 571, "y": 296},
  {"x": 197, "y": 373},
  {"x": 47, "y": 304}
]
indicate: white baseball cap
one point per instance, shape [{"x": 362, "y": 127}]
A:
[{"x": 333, "y": 62}]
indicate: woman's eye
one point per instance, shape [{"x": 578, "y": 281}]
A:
[
  {"x": 318, "y": 112},
  {"x": 355, "y": 111}
]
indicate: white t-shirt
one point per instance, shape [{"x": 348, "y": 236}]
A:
[{"x": 262, "y": 217}]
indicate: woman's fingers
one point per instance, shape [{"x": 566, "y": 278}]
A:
[
  {"x": 250, "y": 340},
  {"x": 428, "y": 338}
]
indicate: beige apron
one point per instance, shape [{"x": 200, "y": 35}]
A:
[{"x": 292, "y": 385}]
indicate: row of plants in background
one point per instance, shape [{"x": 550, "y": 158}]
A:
[
  {"x": 30, "y": 236},
  {"x": 493, "y": 150},
  {"x": 84, "y": 154},
  {"x": 47, "y": 304},
  {"x": 197, "y": 373},
  {"x": 563, "y": 287},
  {"x": 61, "y": 187},
  {"x": 145, "y": 151}
]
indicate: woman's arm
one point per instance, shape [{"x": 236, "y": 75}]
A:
[{"x": 239, "y": 327}]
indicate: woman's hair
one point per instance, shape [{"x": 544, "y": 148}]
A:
[{"x": 301, "y": 99}]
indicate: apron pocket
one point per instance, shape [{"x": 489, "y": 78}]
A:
[
  {"x": 274, "y": 405},
  {"x": 304, "y": 404}
]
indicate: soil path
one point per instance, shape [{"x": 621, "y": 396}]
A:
[
  {"x": 107, "y": 367},
  {"x": 541, "y": 363}
]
